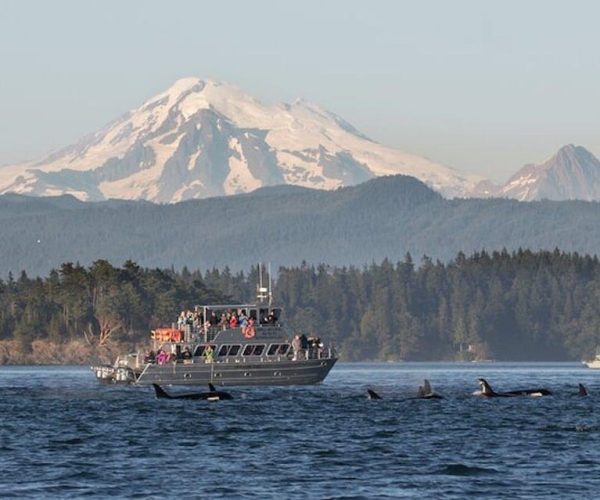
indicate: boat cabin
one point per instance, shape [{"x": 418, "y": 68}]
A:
[{"x": 231, "y": 333}]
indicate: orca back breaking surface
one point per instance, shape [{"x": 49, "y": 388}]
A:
[
  {"x": 211, "y": 395},
  {"x": 488, "y": 392}
]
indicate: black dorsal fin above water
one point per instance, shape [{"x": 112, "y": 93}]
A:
[
  {"x": 160, "y": 392},
  {"x": 486, "y": 388},
  {"x": 487, "y": 391},
  {"x": 211, "y": 387},
  {"x": 371, "y": 394},
  {"x": 427, "y": 391},
  {"x": 582, "y": 390},
  {"x": 427, "y": 387}
]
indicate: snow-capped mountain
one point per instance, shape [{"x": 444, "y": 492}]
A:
[
  {"x": 573, "y": 173},
  {"x": 204, "y": 138}
]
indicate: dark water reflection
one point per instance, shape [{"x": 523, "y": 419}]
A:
[{"x": 63, "y": 435}]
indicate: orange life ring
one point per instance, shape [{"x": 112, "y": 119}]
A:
[
  {"x": 248, "y": 332},
  {"x": 166, "y": 334}
]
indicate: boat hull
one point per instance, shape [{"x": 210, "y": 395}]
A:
[{"x": 245, "y": 373}]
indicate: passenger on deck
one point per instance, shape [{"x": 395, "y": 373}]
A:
[
  {"x": 208, "y": 354},
  {"x": 181, "y": 320},
  {"x": 304, "y": 346},
  {"x": 233, "y": 322},
  {"x": 150, "y": 357},
  {"x": 224, "y": 323},
  {"x": 186, "y": 354},
  {"x": 214, "y": 320},
  {"x": 314, "y": 347},
  {"x": 296, "y": 347},
  {"x": 162, "y": 357},
  {"x": 243, "y": 319}
]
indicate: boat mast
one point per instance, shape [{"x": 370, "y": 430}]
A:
[
  {"x": 264, "y": 294},
  {"x": 270, "y": 289}
]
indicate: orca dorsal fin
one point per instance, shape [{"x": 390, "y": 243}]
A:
[
  {"x": 486, "y": 389},
  {"x": 427, "y": 388},
  {"x": 420, "y": 392},
  {"x": 160, "y": 392},
  {"x": 582, "y": 390},
  {"x": 372, "y": 394},
  {"x": 211, "y": 387}
]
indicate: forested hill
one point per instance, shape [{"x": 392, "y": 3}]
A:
[
  {"x": 519, "y": 306},
  {"x": 384, "y": 217}
]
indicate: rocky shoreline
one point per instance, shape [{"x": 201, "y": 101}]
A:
[{"x": 76, "y": 352}]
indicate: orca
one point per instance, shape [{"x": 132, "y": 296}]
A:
[
  {"x": 426, "y": 392},
  {"x": 211, "y": 395},
  {"x": 373, "y": 395},
  {"x": 583, "y": 391},
  {"x": 487, "y": 391}
]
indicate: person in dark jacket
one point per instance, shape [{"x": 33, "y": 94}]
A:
[{"x": 304, "y": 346}]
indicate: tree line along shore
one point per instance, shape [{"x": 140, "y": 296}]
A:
[{"x": 517, "y": 306}]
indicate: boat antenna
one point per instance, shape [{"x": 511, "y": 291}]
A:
[
  {"x": 270, "y": 288},
  {"x": 261, "y": 291}
]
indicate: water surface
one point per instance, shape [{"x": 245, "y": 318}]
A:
[{"x": 64, "y": 435}]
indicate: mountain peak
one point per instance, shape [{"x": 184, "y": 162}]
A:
[
  {"x": 572, "y": 172},
  {"x": 202, "y": 138},
  {"x": 186, "y": 83},
  {"x": 574, "y": 152}
]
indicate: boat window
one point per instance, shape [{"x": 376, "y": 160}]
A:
[
  {"x": 254, "y": 349},
  {"x": 199, "y": 351},
  {"x": 283, "y": 349},
  {"x": 263, "y": 315},
  {"x": 234, "y": 350},
  {"x": 223, "y": 350},
  {"x": 273, "y": 348}
]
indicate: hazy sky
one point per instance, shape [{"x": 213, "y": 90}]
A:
[{"x": 481, "y": 86}]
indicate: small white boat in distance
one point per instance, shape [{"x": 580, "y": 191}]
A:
[{"x": 594, "y": 363}]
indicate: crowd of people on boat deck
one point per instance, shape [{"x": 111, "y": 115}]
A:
[
  {"x": 303, "y": 347},
  {"x": 195, "y": 322},
  {"x": 162, "y": 357}
]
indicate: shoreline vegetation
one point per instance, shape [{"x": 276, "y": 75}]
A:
[
  {"x": 517, "y": 306},
  {"x": 74, "y": 352}
]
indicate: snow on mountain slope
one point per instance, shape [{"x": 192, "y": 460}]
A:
[
  {"x": 573, "y": 173},
  {"x": 204, "y": 138}
]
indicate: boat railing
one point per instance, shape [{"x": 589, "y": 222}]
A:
[
  {"x": 146, "y": 366},
  {"x": 208, "y": 334}
]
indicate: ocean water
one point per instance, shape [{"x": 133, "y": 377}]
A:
[{"x": 63, "y": 435}]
